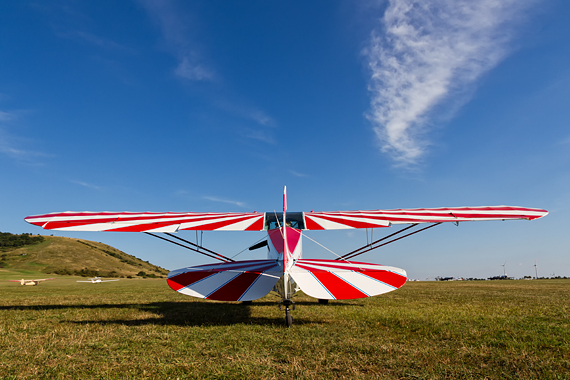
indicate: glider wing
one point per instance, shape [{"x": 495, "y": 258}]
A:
[
  {"x": 235, "y": 281},
  {"x": 385, "y": 218},
  {"x": 332, "y": 279},
  {"x": 148, "y": 221}
]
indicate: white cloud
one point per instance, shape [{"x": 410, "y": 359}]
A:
[
  {"x": 6, "y": 116},
  {"x": 297, "y": 174},
  {"x": 9, "y": 143},
  {"x": 88, "y": 185},
  {"x": 94, "y": 40},
  {"x": 193, "y": 71},
  {"x": 565, "y": 141},
  {"x": 424, "y": 52},
  {"x": 20, "y": 155},
  {"x": 215, "y": 199},
  {"x": 261, "y": 118},
  {"x": 259, "y": 135},
  {"x": 175, "y": 24}
]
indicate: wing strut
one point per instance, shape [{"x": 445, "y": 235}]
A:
[
  {"x": 371, "y": 247},
  {"x": 217, "y": 255},
  {"x": 198, "y": 247}
]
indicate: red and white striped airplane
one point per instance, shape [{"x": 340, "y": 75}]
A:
[{"x": 284, "y": 271}]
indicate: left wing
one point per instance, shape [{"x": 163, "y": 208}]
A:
[
  {"x": 235, "y": 281},
  {"x": 148, "y": 221},
  {"x": 385, "y": 218}
]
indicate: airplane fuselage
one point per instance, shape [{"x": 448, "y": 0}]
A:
[{"x": 285, "y": 246}]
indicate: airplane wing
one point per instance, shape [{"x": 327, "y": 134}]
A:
[
  {"x": 109, "y": 280},
  {"x": 235, "y": 281},
  {"x": 148, "y": 221},
  {"x": 332, "y": 279},
  {"x": 385, "y": 218},
  {"x": 43, "y": 279}
]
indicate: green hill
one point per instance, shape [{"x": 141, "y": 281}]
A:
[{"x": 68, "y": 256}]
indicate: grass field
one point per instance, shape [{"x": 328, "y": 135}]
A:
[{"x": 137, "y": 328}]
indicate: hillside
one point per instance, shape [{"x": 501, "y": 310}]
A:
[{"x": 69, "y": 256}]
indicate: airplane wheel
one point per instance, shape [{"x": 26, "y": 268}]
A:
[
  {"x": 247, "y": 302},
  {"x": 288, "y": 319},
  {"x": 323, "y": 302}
]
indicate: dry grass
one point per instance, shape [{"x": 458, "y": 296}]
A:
[
  {"x": 58, "y": 253},
  {"x": 142, "y": 329}
]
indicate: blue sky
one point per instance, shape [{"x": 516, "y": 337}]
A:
[{"x": 216, "y": 105}]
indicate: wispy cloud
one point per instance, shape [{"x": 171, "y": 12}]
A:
[
  {"x": 262, "y": 130},
  {"x": 90, "y": 38},
  {"x": 422, "y": 53},
  {"x": 6, "y": 116},
  {"x": 216, "y": 199},
  {"x": 88, "y": 185},
  {"x": 174, "y": 25},
  {"x": 10, "y": 144},
  {"x": 261, "y": 118},
  {"x": 190, "y": 69},
  {"x": 249, "y": 113},
  {"x": 258, "y": 135},
  {"x": 297, "y": 174},
  {"x": 21, "y": 155}
]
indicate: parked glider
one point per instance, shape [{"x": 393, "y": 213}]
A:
[
  {"x": 98, "y": 280},
  {"x": 284, "y": 270},
  {"x": 31, "y": 282}
]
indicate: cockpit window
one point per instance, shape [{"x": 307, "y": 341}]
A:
[{"x": 294, "y": 219}]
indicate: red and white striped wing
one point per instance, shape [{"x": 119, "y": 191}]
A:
[
  {"x": 236, "y": 281},
  {"x": 148, "y": 221},
  {"x": 384, "y": 218},
  {"x": 333, "y": 279}
]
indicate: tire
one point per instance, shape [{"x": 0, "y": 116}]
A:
[{"x": 288, "y": 320}]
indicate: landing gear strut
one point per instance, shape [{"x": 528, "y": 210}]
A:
[{"x": 288, "y": 304}]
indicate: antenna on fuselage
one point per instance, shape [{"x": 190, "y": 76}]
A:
[{"x": 285, "y": 248}]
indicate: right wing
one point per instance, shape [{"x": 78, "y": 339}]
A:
[
  {"x": 385, "y": 218},
  {"x": 148, "y": 221}
]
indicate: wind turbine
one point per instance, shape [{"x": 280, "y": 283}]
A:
[
  {"x": 504, "y": 269},
  {"x": 535, "y": 270}
]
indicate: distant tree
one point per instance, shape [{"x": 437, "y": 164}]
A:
[{"x": 8, "y": 240}]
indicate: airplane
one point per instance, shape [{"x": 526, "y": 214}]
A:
[
  {"x": 285, "y": 271},
  {"x": 32, "y": 282},
  {"x": 438, "y": 278},
  {"x": 97, "y": 280}
]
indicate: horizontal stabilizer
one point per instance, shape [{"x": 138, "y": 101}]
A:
[
  {"x": 333, "y": 279},
  {"x": 235, "y": 281}
]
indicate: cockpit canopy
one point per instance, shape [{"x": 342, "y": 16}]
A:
[{"x": 274, "y": 220}]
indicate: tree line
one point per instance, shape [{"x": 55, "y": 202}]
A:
[{"x": 8, "y": 240}]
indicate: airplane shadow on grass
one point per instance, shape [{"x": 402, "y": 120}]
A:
[{"x": 186, "y": 313}]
